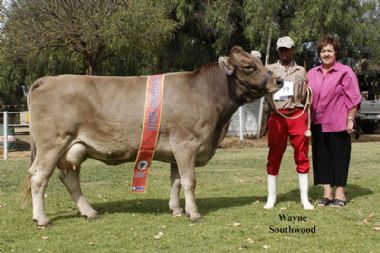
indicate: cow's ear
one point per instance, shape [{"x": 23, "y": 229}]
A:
[
  {"x": 224, "y": 63},
  {"x": 256, "y": 53}
]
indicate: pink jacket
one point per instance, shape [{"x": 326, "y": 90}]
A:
[{"x": 333, "y": 96}]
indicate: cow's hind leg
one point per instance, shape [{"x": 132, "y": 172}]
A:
[
  {"x": 175, "y": 180},
  {"x": 70, "y": 178},
  {"x": 69, "y": 175},
  {"x": 40, "y": 172},
  {"x": 185, "y": 158}
]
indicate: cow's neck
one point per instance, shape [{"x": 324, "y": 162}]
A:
[
  {"x": 222, "y": 91},
  {"x": 224, "y": 96}
]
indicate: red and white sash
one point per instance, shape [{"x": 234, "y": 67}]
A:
[{"x": 151, "y": 128}]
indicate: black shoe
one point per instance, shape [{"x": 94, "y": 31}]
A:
[
  {"x": 339, "y": 203},
  {"x": 325, "y": 202}
]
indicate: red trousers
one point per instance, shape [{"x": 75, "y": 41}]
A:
[{"x": 279, "y": 128}]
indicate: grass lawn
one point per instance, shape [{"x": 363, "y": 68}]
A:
[{"x": 231, "y": 191}]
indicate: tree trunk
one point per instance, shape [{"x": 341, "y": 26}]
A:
[{"x": 90, "y": 69}]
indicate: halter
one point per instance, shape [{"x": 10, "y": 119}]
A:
[{"x": 246, "y": 84}]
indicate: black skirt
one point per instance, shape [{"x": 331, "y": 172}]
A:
[{"x": 331, "y": 156}]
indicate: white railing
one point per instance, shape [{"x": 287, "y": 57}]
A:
[
  {"x": 5, "y": 133},
  {"x": 5, "y": 126}
]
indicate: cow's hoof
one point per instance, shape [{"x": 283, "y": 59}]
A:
[
  {"x": 43, "y": 222},
  {"x": 178, "y": 212},
  {"x": 91, "y": 218},
  {"x": 196, "y": 219},
  {"x": 90, "y": 215},
  {"x": 45, "y": 225}
]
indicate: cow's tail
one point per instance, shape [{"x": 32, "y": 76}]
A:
[
  {"x": 33, "y": 150},
  {"x": 26, "y": 191}
]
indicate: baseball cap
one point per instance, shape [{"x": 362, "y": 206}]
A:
[{"x": 285, "y": 42}]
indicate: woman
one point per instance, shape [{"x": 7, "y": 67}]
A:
[{"x": 336, "y": 96}]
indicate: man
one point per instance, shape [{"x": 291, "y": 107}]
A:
[{"x": 288, "y": 121}]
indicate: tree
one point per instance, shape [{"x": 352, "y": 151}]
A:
[
  {"x": 138, "y": 34},
  {"x": 352, "y": 21},
  {"x": 205, "y": 30},
  {"x": 259, "y": 18},
  {"x": 307, "y": 21},
  {"x": 88, "y": 28}
]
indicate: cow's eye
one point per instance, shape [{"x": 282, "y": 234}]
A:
[{"x": 249, "y": 69}]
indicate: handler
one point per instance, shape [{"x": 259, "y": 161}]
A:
[{"x": 288, "y": 102}]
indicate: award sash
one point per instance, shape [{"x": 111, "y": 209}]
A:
[{"x": 151, "y": 128}]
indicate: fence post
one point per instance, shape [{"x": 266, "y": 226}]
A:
[
  {"x": 260, "y": 118},
  {"x": 241, "y": 123},
  {"x": 5, "y": 133},
  {"x": 261, "y": 107}
]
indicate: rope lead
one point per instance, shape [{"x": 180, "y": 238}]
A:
[{"x": 309, "y": 95}]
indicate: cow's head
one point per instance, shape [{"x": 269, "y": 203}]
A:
[{"x": 252, "y": 77}]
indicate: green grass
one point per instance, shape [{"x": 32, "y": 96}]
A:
[{"x": 231, "y": 190}]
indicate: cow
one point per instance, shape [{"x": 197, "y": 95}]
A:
[{"x": 75, "y": 117}]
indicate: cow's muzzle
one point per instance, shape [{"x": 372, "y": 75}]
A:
[
  {"x": 261, "y": 87},
  {"x": 266, "y": 79}
]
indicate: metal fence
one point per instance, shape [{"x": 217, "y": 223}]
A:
[{"x": 21, "y": 119}]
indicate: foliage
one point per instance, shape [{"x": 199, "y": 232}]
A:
[
  {"x": 93, "y": 29},
  {"x": 73, "y": 25},
  {"x": 138, "y": 33},
  {"x": 231, "y": 191},
  {"x": 78, "y": 37},
  {"x": 261, "y": 17},
  {"x": 346, "y": 19},
  {"x": 353, "y": 21},
  {"x": 205, "y": 30}
]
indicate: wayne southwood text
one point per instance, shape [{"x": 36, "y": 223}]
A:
[{"x": 292, "y": 228}]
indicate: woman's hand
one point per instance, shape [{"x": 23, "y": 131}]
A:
[
  {"x": 350, "y": 126},
  {"x": 350, "y": 121}
]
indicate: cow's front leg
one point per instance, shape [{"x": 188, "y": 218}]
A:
[
  {"x": 186, "y": 166},
  {"x": 175, "y": 180},
  {"x": 70, "y": 178}
]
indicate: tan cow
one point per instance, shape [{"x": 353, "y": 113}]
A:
[{"x": 77, "y": 117}]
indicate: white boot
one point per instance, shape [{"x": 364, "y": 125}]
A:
[
  {"x": 304, "y": 181},
  {"x": 272, "y": 184}
]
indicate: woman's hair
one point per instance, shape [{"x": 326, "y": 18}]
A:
[{"x": 328, "y": 39}]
